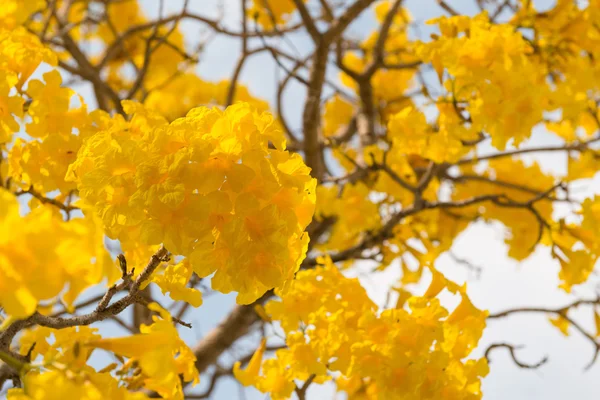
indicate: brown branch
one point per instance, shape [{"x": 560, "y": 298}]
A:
[
  {"x": 311, "y": 116},
  {"x": 496, "y": 182},
  {"x": 327, "y": 11},
  {"x": 6, "y": 373},
  {"x": 476, "y": 269},
  {"x": 301, "y": 391},
  {"x": 114, "y": 48},
  {"x": 219, "y": 373},
  {"x": 87, "y": 70},
  {"x": 392, "y": 174},
  {"x": 366, "y": 119},
  {"x": 148, "y": 51},
  {"x": 499, "y": 10},
  {"x": 379, "y": 47},
  {"x": 386, "y": 231},
  {"x": 240, "y": 64},
  {"x": 233, "y": 327},
  {"x": 406, "y": 65},
  {"x": 561, "y": 312},
  {"x": 572, "y": 147},
  {"x": 46, "y": 200},
  {"x": 279, "y": 105},
  {"x": 447, "y": 8},
  {"x": 345, "y": 19},
  {"x": 511, "y": 350},
  {"x": 123, "y": 324},
  {"x": 309, "y": 22},
  {"x": 116, "y": 308},
  {"x": 238, "y": 70},
  {"x": 144, "y": 302}
]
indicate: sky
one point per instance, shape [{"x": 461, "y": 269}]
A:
[{"x": 502, "y": 283}]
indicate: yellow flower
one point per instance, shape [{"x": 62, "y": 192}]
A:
[
  {"x": 22, "y": 52},
  {"x": 41, "y": 253},
  {"x": 248, "y": 376},
  {"x": 63, "y": 347},
  {"x": 356, "y": 214},
  {"x": 411, "y": 134},
  {"x": 270, "y": 13},
  {"x": 174, "y": 280},
  {"x": 15, "y": 12},
  {"x": 10, "y": 106},
  {"x": 338, "y": 113},
  {"x": 160, "y": 354},
  {"x": 65, "y": 384},
  {"x": 484, "y": 67},
  {"x": 331, "y": 326},
  {"x": 50, "y": 108}
]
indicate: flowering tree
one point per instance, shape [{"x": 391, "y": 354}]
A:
[{"x": 106, "y": 131}]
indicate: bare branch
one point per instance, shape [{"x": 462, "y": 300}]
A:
[
  {"x": 309, "y": 22},
  {"x": 511, "y": 350},
  {"x": 116, "y": 308}
]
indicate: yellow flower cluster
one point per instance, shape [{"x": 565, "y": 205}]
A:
[
  {"x": 54, "y": 127},
  {"x": 337, "y": 113},
  {"x": 20, "y": 55},
  {"x": 157, "y": 360},
  {"x": 15, "y": 12},
  {"x": 353, "y": 210},
  {"x": 207, "y": 186},
  {"x": 83, "y": 384},
  {"x": 174, "y": 279},
  {"x": 487, "y": 64},
  {"x": 56, "y": 346},
  {"x": 41, "y": 254},
  {"x": 411, "y": 134},
  {"x": 58, "y": 130},
  {"x": 331, "y": 326},
  {"x": 576, "y": 247},
  {"x": 567, "y": 42}
]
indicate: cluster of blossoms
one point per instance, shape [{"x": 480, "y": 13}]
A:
[
  {"x": 334, "y": 331},
  {"x": 157, "y": 360},
  {"x": 141, "y": 176},
  {"x": 40, "y": 253},
  {"x": 208, "y": 187},
  {"x": 494, "y": 81},
  {"x": 481, "y": 60}
]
